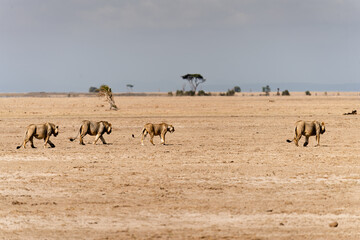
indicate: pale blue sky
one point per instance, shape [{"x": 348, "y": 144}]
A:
[{"x": 70, "y": 45}]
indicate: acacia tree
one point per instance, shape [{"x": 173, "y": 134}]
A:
[
  {"x": 105, "y": 90},
  {"x": 266, "y": 90},
  {"x": 194, "y": 80},
  {"x": 129, "y": 87}
]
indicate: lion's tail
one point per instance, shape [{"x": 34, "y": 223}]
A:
[
  {"x": 23, "y": 141},
  {"x": 142, "y": 131},
  {"x": 72, "y": 139},
  {"x": 288, "y": 140}
]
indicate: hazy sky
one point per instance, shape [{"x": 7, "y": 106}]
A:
[{"x": 70, "y": 45}]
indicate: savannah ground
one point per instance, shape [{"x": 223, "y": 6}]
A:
[{"x": 227, "y": 171}]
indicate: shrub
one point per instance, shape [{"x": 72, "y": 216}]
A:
[
  {"x": 179, "y": 92},
  {"x": 307, "y": 93},
  {"x": 285, "y": 93},
  {"x": 203, "y": 93},
  {"x": 237, "y": 89},
  {"x": 230, "y": 92},
  {"x": 170, "y": 94},
  {"x": 189, "y": 93},
  {"x": 93, "y": 89}
]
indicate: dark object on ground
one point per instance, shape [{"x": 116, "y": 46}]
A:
[
  {"x": 354, "y": 112},
  {"x": 333, "y": 224}
]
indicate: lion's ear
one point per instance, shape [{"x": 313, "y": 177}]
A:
[{"x": 322, "y": 123}]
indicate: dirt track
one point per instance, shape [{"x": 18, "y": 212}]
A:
[{"x": 227, "y": 171}]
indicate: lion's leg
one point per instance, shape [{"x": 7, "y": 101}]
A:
[
  {"x": 144, "y": 134},
  {"x": 51, "y": 144},
  {"x": 81, "y": 138},
  {"x": 151, "y": 138},
  {"x": 162, "y": 138},
  {"x": 25, "y": 141},
  {"x": 102, "y": 139},
  {"x": 83, "y": 131},
  {"x": 306, "y": 141},
  {"x": 32, "y": 141},
  {"x": 96, "y": 138},
  {"x": 296, "y": 139},
  {"x": 46, "y": 140},
  {"x": 318, "y": 140}
]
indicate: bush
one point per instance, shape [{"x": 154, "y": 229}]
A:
[
  {"x": 307, "y": 93},
  {"x": 93, "y": 89},
  {"x": 285, "y": 93},
  {"x": 170, "y": 94},
  {"x": 189, "y": 93},
  {"x": 203, "y": 93},
  {"x": 228, "y": 93},
  {"x": 179, "y": 93},
  {"x": 237, "y": 89}
]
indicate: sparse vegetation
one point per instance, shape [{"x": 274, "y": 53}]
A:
[
  {"x": 278, "y": 92},
  {"x": 179, "y": 93},
  {"x": 189, "y": 93},
  {"x": 93, "y": 89},
  {"x": 105, "y": 90},
  {"x": 230, "y": 92},
  {"x": 203, "y": 93},
  {"x": 170, "y": 93},
  {"x": 194, "y": 81},
  {"x": 266, "y": 90},
  {"x": 285, "y": 93},
  {"x": 237, "y": 89},
  {"x": 186, "y": 93},
  {"x": 129, "y": 87}
]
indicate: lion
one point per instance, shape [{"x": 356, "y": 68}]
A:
[
  {"x": 93, "y": 129},
  {"x": 155, "y": 130},
  {"x": 308, "y": 128},
  {"x": 40, "y": 131}
]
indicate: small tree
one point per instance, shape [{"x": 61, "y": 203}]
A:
[
  {"x": 179, "y": 93},
  {"x": 237, "y": 89},
  {"x": 194, "y": 80},
  {"x": 105, "y": 90},
  {"x": 266, "y": 90},
  {"x": 203, "y": 93},
  {"x": 230, "y": 92},
  {"x": 129, "y": 87},
  {"x": 93, "y": 89},
  {"x": 285, "y": 93},
  {"x": 308, "y": 93}
]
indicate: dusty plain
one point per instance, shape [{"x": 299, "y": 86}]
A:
[{"x": 226, "y": 172}]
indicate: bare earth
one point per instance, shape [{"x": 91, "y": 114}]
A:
[{"x": 226, "y": 173}]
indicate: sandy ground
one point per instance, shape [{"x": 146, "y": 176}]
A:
[{"x": 226, "y": 173}]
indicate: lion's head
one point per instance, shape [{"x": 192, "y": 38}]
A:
[
  {"x": 56, "y": 131},
  {"x": 171, "y": 129},
  {"x": 322, "y": 128},
  {"x": 108, "y": 127}
]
